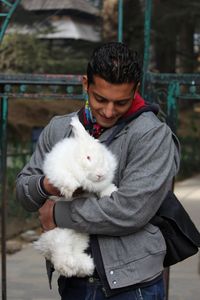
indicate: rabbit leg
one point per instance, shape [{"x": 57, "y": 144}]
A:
[
  {"x": 108, "y": 190},
  {"x": 69, "y": 258},
  {"x": 85, "y": 265},
  {"x": 70, "y": 265},
  {"x": 64, "y": 263},
  {"x": 67, "y": 193},
  {"x": 68, "y": 187},
  {"x": 44, "y": 243}
]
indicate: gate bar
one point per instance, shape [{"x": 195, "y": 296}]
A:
[
  {"x": 120, "y": 21},
  {"x": 3, "y": 179},
  {"x": 147, "y": 31}
]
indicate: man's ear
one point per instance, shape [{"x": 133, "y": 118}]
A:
[
  {"x": 137, "y": 87},
  {"x": 85, "y": 83}
]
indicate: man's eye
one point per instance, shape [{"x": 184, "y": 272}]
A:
[
  {"x": 100, "y": 100},
  {"x": 122, "y": 103}
]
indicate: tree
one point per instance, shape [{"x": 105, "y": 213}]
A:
[
  {"x": 174, "y": 25},
  {"x": 110, "y": 20},
  {"x": 23, "y": 54},
  {"x": 133, "y": 22},
  {"x": 26, "y": 53}
]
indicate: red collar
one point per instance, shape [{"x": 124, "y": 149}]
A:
[{"x": 137, "y": 103}]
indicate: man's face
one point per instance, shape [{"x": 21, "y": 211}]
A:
[{"x": 108, "y": 101}]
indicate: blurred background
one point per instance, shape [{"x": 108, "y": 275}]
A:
[
  {"x": 45, "y": 40},
  {"x": 44, "y": 49}
]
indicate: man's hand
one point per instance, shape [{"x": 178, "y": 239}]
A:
[
  {"x": 46, "y": 215},
  {"x": 49, "y": 188}
]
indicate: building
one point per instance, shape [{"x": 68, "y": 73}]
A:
[{"x": 59, "y": 20}]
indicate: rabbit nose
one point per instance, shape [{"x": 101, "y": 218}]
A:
[{"x": 99, "y": 177}]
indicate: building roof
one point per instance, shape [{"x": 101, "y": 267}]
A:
[
  {"x": 70, "y": 29},
  {"x": 45, "y": 5},
  {"x": 66, "y": 28}
]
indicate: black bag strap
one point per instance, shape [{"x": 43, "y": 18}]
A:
[
  {"x": 114, "y": 133},
  {"x": 122, "y": 123}
]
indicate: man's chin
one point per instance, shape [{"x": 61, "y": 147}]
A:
[{"x": 107, "y": 123}]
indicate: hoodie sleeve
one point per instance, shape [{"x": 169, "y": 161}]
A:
[{"x": 28, "y": 188}]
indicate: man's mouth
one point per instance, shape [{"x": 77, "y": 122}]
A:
[{"x": 108, "y": 119}]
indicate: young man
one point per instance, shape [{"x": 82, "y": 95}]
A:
[{"x": 128, "y": 251}]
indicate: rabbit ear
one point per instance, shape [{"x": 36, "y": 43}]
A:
[{"x": 78, "y": 129}]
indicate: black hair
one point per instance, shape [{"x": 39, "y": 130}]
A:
[{"x": 115, "y": 63}]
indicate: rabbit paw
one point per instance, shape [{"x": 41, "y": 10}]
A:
[
  {"x": 109, "y": 190},
  {"x": 67, "y": 193}
]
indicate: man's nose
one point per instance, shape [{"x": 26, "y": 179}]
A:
[{"x": 109, "y": 110}]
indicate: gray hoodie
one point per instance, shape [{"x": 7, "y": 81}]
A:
[{"x": 132, "y": 249}]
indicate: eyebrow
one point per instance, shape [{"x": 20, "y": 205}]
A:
[{"x": 103, "y": 98}]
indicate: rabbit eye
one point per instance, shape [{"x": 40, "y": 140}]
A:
[{"x": 88, "y": 158}]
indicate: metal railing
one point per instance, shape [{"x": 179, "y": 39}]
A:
[{"x": 7, "y": 9}]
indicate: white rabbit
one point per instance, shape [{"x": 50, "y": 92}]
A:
[{"x": 77, "y": 161}]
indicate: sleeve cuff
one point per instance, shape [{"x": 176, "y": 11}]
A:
[
  {"x": 41, "y": 188},
  {"x": 35, "y": 192},
  {"x": 62, "y": 214},
  {"x": 54, "y": 219}
]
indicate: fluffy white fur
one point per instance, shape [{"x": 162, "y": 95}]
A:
[{"x": 77, "y": 161}]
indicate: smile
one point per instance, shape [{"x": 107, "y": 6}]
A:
[{"x": 108, "y": 119}]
